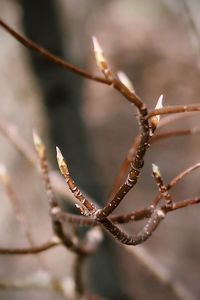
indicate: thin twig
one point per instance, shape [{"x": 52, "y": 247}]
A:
[
  {"x": 49, "y": 56},
  {"x": 41, "y": 152},
  {"x": 180, "y": 176},
  {"x": 31, "y": 250},
  {"x": 20, "y": 216},
  {"x": 174, "y": 110},
  {"x": 132, "y": 216},
  {"x": 164, "y": 191},
  {"x": 88, "y": 208},
  {"x": 145, "y": 133},
  {"x": 11, "y": 132},
  {"x": 175, "y": 180}
]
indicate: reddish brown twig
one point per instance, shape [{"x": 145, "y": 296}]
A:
[
  {"x": 148, "y": 122},
  {"x": 173, "y": 110},
  {"x": 32, "y": 250},
  {"x": 41, "y": 152},
  {"x": 49, "y": 56},
  {"x": 120, "y": 235},
  {"x": 66, "y": 240},
  {"x": 88, "y": 207},
  {"x": 155, "y": 138},
  {"x": 136, "y": 164},
  {"x": 161, "y": 186},
  {"x": 132, "y": 216},
  {"x": 180, "y": 176},
  {"x": 175, "y": 180}
]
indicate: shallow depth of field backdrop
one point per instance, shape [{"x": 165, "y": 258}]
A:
[{"x": 151, "y": 42}]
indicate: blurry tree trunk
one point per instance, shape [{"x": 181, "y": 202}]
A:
[{"x": 62, "y": 98}]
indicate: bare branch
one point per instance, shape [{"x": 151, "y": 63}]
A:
[
  {"x": 20, "y": 216},
  {"x": 142, "y": 144},
  {"x": 151, "y": 225},
  {"x": 180, "y": 176},
  {"x": 87, "y": 204},
  {"x": 155, "y": 138},
  {"x": 41, "y": 151},
  {"x": 49, "y": 56},
  {"x": 174, "y": 133},
  {"x": 32, "y": 250},
  {"x": 173, "y": 110},
  {"x": 175, "y": 180},
  {"x": 162, "y": 187},
  {"x": 147, "y": 212},
  {"x": 135, "y": 215}
]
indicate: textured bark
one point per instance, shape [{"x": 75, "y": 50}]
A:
[{"x": 62, "y": 98}]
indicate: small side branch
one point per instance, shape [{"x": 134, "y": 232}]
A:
[
  {"x": 49, "y": 56},
  {"x": 161, "y": 186},
  {"x": 32, "y": 250},
  {"x": 88, "y": 207},
  {"x": 173, "y": 110}
]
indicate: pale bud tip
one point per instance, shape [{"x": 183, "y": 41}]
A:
[
  {"x": 97, "y": 47},
  {"x": 155, "y": 169},
  {"x": 160, "y": 102},
  {"x": 39, "y": 146},
  {"x": 155, "y": 119},
  {"x": 61, "y": 163},
  {"x": 125, "y": 80},
  {"x": 59, "y": 154},
  {"x": 36, "y": 139}
]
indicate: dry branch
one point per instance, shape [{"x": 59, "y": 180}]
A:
[{"x": 101, "y": 218}]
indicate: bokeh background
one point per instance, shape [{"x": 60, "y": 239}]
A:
[{"x": 155, "y": 44}]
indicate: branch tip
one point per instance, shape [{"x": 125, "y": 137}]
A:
[
  {"x": 160, "y": 102},
  {"x": 126, "y": 81},
  {"x": 39, "y": 145},
  {"x": 98, "y": 51},
  {"x": 97, "y": 47},
  {"x": 156, "y": 170},
  {"x": 101, "y": 61},
  {"x": 61, "y": 163},
  {"x": 156, "y": 119},
  {"x": 59, "y": 154}
]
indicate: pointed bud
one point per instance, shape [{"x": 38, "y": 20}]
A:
[
  {"x": 3, "y": 174},
  {"x": 100, "y": 59},
  {"x": 39, "y": 146},
  {"x": 98, "y": 51},
  {"x": 159, "y": 105},
  {"x": 126, "y": 81},
  {"x": 155, "y": 119},
  {"x": 156, "y": 170},
  {"x": 61, "y": 163}
]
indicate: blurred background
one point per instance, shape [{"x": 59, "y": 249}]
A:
[{"x": 157, "y": 44}]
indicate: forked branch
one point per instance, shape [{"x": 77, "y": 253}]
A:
[{"x": 92, "y": 215}]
